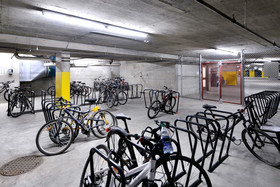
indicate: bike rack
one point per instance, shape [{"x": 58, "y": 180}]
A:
[
  {"x": 134, "y": 91},
  {"x": 188, "y": 140},
  {"x": 78, "y": 99},
  {"x": 150, "y": 95},
  {"x": 222, "y": 123},
  {"x": 265, "y": 105},
  {"x": 52, "y": 106}
]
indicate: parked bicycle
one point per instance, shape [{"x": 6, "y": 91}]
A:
[
  {"x": 5, "y": 88},
  {"x": 106, "y": 167},
  {"x": 19, "y": 101},
  {"x": 56, "y": 136},
  {"x": 79, "y": 88},
  {"x": 166, "y": 105}
]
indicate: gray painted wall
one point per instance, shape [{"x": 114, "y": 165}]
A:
[
  {"x": 188, "y": 80},
  {"x": 151, "y": 75}
]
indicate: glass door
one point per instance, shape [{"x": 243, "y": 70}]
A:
[
  {"x": 210, "y": 81},
  {"x": 221, "y": 81},
  {"x": 231, "y": 82}
]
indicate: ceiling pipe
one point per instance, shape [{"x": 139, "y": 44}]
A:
[
  {"x": 30, "y": 58},
  {"x": 233, "y": 20}
]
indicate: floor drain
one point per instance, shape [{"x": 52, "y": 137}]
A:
[{"x": 20, "y": 165}]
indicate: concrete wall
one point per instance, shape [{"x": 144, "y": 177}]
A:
[
  {"x": 151, "y": 75},
  {"x": 88, "y": 74},
  {"x": 6, "y": 63},
  {"x": 188, "y": 80}
]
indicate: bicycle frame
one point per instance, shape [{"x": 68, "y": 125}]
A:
[{"x": 78, "y": 122}]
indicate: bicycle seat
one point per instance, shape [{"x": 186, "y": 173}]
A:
[
  {"x": 208, "y": 107},
  {"x": 91, "y": 100},
  {"x": 122, "y": 117}
]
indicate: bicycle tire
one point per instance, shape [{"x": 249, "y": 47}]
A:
[
  {"x": 17, "y": 107},
  {"x": 75, "y": 127},
  {"x": 29, "y": 105},
  {"x": 100, "y": 121},
  {"x": 122, "y": 98},
  {"x": 103, "y": 177},
  {"x": 154, "y": 109},
  {"x": 51, "y": 90},
  {"x": 265, "y": 149},
  {"x": 111, "y": 100},
  {"x": 49, "y": 143},
  {"x": 195, "y": 174},
  {"x": 170, "y": 104},
  {"x": 6, "y": 95},
  {"x": 124, "y": 158}
]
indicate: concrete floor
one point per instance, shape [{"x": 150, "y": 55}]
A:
[{"x": 18, "y": 139}]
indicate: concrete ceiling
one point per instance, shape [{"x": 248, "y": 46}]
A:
[{"x": 176, "y": 28}]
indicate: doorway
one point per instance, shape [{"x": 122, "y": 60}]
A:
[{"x": 221, "y": 81}]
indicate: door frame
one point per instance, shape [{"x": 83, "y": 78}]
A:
[{"x": 220, "y": 65}]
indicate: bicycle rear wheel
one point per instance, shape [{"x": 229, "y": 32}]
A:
[
  {"x": 17, "y": 107},
  {"x": 170, "y": 104},
  {"x": 262, "y": 146},
  {"x": 102, "y": 120},
  {"x": 122, "y": 98},
  {"x": 54, "y": 137},
  {"x": 183, "y": 172},
  {"x": 154, "y": 109},
  {"x": 100, "y": 174}
]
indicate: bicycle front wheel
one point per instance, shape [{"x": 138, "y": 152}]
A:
[
  {"x": 111, "y": 100},
  {"x": 262, "y": 146},
  {"x": 154, "y": 109},
  {"x": 100, "y": 174},
  {"x": 54, "y": 137},
  {"x": 183, "y": 172}
]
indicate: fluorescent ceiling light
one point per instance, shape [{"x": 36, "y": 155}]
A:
[
  {"x": 49, "y": 64},
  {"x": 95, "y": 26},
  {"x": 225, "y": 52}
]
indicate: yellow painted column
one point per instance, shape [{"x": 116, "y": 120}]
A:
[
  {"x": 251, "y": 73},
  {"x": 62, "y": 76}
]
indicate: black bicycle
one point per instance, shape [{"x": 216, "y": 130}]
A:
[
  {"x": 5, "y": 89},
  {"x": 20, "y": 102},
  {"x": 166, "y": 105}
]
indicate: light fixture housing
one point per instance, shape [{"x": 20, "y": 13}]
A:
[{"x": 96, "y": 26}]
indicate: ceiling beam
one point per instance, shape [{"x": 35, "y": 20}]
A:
[{"x": 68, "y": 46}]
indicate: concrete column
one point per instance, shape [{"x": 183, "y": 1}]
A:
[{"x": 62, "y": 76}]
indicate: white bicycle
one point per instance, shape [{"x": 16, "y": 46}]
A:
[{"x": 110, "y": 168}]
